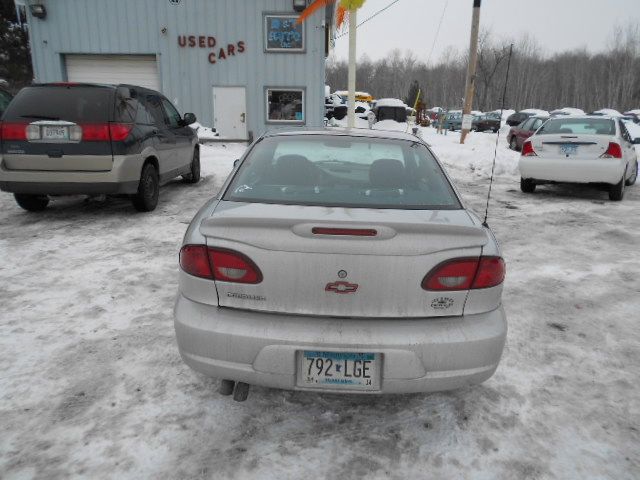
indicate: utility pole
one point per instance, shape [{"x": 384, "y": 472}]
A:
[
  {"x": 351, "y": 98},
  {"x": 470, "y": 84}
]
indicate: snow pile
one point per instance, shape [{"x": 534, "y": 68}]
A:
[
  {"x": 391, "y": 125},
  {"x": 390, "y": 102},
  {"x": 633, "y": 112},
  {"x": 473, "y": 159},
  {"x": 567, "y": 111},
  {"x": 204, "y": 133}
]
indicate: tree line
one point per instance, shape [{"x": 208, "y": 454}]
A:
[{"x": 575, "y": 78}]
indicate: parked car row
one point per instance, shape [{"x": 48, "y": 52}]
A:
[{"x": 68, "y": 139}]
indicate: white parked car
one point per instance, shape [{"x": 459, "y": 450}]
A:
[
  {"x": 580, "y": 149},
  {"x": 338, "y": 261}
]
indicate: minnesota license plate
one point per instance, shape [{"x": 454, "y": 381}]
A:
[
  {"x": 568, "y": 149},
  {"x": 339, "y": 370},
  {"x": 55, "y": 133}
]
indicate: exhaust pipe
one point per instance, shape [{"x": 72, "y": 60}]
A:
[
  {"x": 241, "y": 392},
  {"x": 226, "y": 387}
]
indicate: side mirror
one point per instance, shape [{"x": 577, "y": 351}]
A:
[
  {"x": 189, "y": 118},
  {"x": 236, "y": 162}
]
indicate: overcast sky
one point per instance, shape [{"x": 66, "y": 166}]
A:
[{"x": 557, "y": 25}]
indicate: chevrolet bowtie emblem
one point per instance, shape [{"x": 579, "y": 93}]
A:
[{"x": 341, "y": 287}]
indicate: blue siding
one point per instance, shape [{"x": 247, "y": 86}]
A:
[{"x": 186, "y": 76}]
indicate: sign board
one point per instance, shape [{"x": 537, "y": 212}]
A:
[
  {"x": 283, "y": 33},
  {"x": 467, "y": 121}
]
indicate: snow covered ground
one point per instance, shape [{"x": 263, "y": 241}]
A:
[{"x": 92, "y": 386}]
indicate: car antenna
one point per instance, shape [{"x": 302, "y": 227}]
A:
[{"x": 495, "y": 151}]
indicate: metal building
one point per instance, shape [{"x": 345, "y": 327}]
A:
[{"x": 242, "y": 66}]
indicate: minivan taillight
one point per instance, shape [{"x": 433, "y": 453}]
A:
[
  {"x": 119, "y": 131},
  {"x": 465, "y": 274},
  {"x": 103, "y": 132},
  {"x": 613, "y": 151},
  {"x": 527, "y": 150},
  {"x": 219, "y": 264},
  {"x": 13, "y": 131}
]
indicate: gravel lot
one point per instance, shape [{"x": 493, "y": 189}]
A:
[{"x": 92, "y": 386}]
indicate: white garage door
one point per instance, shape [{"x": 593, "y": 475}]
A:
[{"x": 133, "y": 69}]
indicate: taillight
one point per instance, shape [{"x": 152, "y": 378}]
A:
[
  {"x": 103, "y": 132},
  {"x": 95, "y": 132},
  {"x": 194, "y": 260},
  {"x": 119, "y": 131},
  {"x": 465, "y": 274},
  {"x": 527, "y": 150},
  {"x": 219, "y": 264},
  {"x": 613, "y": 151},
  {"x": 13, "y": 131},
  {"x": 230, "y": 266}
]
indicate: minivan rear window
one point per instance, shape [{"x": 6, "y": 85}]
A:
[
  {"x": 342, "y": 171},
  {"x": 78, "y": 104}
]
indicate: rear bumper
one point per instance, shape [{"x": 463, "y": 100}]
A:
[
  {"x": 418, "y": 355},
  {"x": 123, "y": 178},
  {"x": 570, "y": 170}
]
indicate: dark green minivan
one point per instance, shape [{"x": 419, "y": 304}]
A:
[{"x": 74, "y": 138}]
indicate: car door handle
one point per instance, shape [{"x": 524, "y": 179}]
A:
[{"x": 242, "y": 117}]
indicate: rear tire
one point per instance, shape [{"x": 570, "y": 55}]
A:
[
  {"x": 32, "y": 203},
  {"x": 194, "y": 175},
  {"x": 632, "y": 179},
  {"x": 527, "y": 185},
  {"x": 513, "y": 144},
  {"x": 616, "y": 192},
  {"x": 146, "y": 199}
]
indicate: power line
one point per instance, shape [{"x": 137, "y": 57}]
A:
[
  {"x": 437, "y": 32},
  {"x": 370, "y": 17}
]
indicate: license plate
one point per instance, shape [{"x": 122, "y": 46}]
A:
[
  {"x": 568, "y": 149},
  {"x": 55, "y": 133},
  {"x": 339, "y": 370}
]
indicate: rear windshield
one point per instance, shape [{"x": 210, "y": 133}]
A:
[
  {"x": 342, "y": 171},
  {"x": 591, "y": 126},
  {"x": 73, "y": 104}
]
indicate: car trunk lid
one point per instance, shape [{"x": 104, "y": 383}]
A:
[
  {"x": 573, "y": 146},
  {"x": 308, "y": 269}
]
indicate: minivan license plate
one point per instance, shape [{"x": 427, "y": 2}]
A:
[
  {"x": 55, "y": 133},
  {"x": 339, "y": 370}
]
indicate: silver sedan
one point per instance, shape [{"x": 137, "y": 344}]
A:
[{"x": 340, "y": 261}]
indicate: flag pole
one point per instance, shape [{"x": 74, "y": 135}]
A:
[{"x": 351, "y": 98}]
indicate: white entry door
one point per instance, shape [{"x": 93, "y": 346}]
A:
[{"x": 230, "y": 112}]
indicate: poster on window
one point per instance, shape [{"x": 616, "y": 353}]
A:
[
  {"x": 283, "y": 34},
  {"x": 285, "y": 105}
]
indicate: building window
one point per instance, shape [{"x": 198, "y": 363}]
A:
[
  {"x": 285, "y": 105},
  {"x": 283, "y": 34}
]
